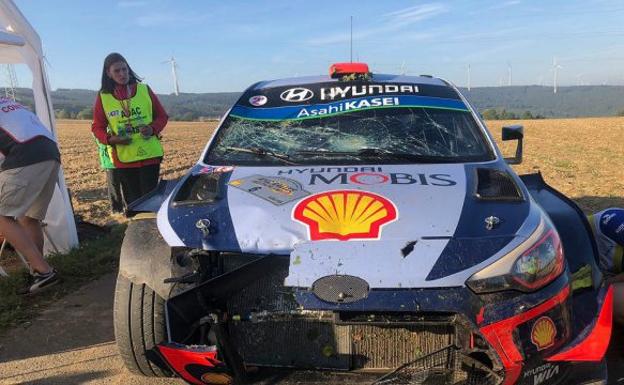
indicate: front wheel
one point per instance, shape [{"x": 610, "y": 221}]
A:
[{"x": 139, "y": 320}]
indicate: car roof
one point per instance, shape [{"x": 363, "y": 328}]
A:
[{"x": 377, "y": 78}]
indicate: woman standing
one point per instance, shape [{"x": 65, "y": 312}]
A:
[{"x": 127, "y": 121}]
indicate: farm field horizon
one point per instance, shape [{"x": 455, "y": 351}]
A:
[{"x": 580, "y": 157}]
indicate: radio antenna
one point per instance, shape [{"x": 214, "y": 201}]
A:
[{"x": 351, "y": 41}]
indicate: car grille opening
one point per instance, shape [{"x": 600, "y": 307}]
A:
[
  {"x": 269, "y": 329},
  {"x": 444, "y": 366}
]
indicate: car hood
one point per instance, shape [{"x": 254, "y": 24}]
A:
[{"x": 424, "y": 219}]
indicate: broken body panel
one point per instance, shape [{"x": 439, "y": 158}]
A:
[{"x": 360, "y": 261}]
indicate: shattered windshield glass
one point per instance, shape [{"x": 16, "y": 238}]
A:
[{"x": 381, "y": 136}]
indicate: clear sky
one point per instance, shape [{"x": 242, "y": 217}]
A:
[{"x": 228, "y": 45}]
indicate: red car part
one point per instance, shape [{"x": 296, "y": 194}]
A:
[
  {"x": 592, "y": 348},
  {"x": 179, "y": 358},
  {"x": 341, "y": 69}
]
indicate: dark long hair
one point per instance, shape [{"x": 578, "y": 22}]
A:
[{"x": 108, "y": 84}]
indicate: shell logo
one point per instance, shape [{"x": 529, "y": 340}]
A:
[
  {"x": 543, "y": 333},
  {"x": 345, "y": 214}
]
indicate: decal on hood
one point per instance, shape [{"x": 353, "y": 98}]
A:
[
  {"x": 257, "y": 211},
  {"x": 368, "y": 176},
  {"x": 345, "y": 214},
  {"x": 345, "y": 220},
  {"x": 213, "y": 170},
  {"x": 274, "y": 189}
]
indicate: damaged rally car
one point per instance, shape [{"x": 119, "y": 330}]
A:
[{"x": 360, "y": 228}]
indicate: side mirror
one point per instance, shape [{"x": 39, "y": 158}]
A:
[{"x": 514, "y": 132}]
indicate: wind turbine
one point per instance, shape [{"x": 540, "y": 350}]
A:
[
  {"x": 556, "y": 68},
  {"x": 509, "y": 74},
  {"x": 11, "y": 78},
  {"x": 469, "y": 77},
  {"x": 403, "y": 68},
  {"x": 579, "y": 79},
  {"x": 174, "y": 66}
]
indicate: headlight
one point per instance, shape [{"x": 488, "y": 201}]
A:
[{"x": 532, "y": 265}]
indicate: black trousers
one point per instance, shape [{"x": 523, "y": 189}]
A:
[
  {"x": 125, "y": 185},
  {"x": 114, "y": 192}
]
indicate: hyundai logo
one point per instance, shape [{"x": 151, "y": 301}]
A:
[{"x": 296, "y": 95}]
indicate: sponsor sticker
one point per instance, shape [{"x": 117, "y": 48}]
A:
[
  {"x": 345, "y": 92},
  {"x": 214, "y": 169},
  {"x": 296, "y": 95},
  {"x": 340, "y": 107},
  {"x": 368, "y": 176},
  {"x": 542, "y": 373},
  {"x": 345, "y": 215},
  {"x": 277, "y": 190},
  {"x": 258, "y": 100},
  {"x": 543, "y": 333}
]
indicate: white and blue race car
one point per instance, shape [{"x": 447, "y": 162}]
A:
[{"x": 360, "y": 228}]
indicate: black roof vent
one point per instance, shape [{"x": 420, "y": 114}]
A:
[{"x": 493, "y": 184}]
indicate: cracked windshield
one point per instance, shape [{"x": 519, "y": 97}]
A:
[{"x": 383, "y": 136}]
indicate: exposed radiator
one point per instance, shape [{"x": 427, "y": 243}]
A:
[{"x": 321, "y": 343}]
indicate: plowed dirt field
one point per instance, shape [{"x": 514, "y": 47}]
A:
[
  {"x": 183, "y": 143},
  {"x": 583, "y": 158}
]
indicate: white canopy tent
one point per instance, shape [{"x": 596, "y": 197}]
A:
[{"x": 20, "y": 44}]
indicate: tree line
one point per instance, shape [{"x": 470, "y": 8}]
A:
[
  {"x": 503, "y": 114},
  {"x": 515, "y": 102}
]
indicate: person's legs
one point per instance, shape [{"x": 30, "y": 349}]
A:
[
  {"x": 114, "y": 191},
  {"x": 31, "y": 221},
  {"x": 17, "y": 236},
  {"x": 33, "y": 228},
  {"x": 43, "y": 178},
  {"x": 21, "y": 189},
  {"x": 130, "y": 184},
  {"x": 149, "y": 178}
]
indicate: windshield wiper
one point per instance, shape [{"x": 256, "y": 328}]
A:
[
  {"x": 362, "y": 152},
  {"x": 381, "y": 153},
  {"x": 262, "y": 152}
]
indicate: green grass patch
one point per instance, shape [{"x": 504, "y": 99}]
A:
[{"x": 89, "y": 261}]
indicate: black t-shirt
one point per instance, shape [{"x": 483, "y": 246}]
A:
[{"x": 21, "y": 154}]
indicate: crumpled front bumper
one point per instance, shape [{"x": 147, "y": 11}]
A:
[{"x": 531, "y": 339}]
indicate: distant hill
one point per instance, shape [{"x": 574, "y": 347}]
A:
[
  {"x": 576, "y": 101},
  {"x": 571, "y": 102},
  {"x": 78, "y": 103}
]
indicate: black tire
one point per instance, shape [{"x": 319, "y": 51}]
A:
[{"x": 139, "y": 322}]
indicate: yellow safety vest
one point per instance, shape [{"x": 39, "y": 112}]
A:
[{"x": 140, "y": 110}]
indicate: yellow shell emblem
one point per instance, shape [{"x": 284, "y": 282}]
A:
[
  {"x": 345, "y": 214},
  {"x": 543, "y": 333}
]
